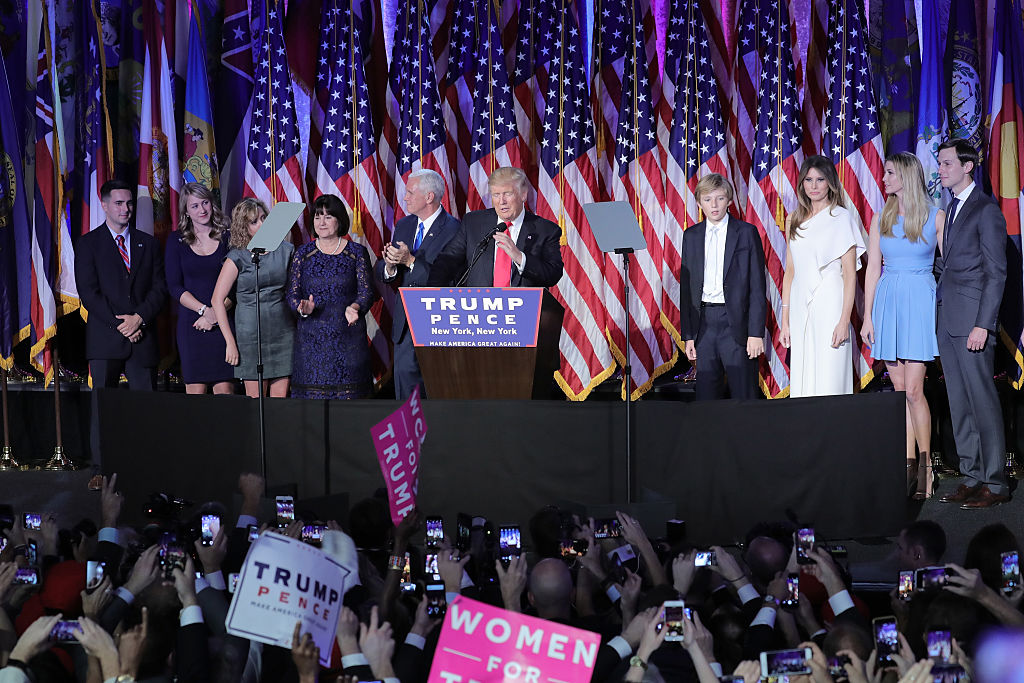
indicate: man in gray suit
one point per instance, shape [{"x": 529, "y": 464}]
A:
[
  {"x": 417, "y": 241},
  {"x": 971, "y": 272}
]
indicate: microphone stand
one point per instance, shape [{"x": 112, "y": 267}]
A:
[
  {"x": 256, "y": 254},
  {"x": 628, "y": 376},
  {"x": 480, "y": 249}
]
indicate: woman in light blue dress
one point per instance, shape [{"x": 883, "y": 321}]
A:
[{"x": 899, "y": 300}]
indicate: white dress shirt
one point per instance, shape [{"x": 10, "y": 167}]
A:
[
  {"x": 127, "y": 246},
  {"x": 513, "y": 232},
  {"x": 714, "y": 261},
  {"x": 962, "y": 196}
]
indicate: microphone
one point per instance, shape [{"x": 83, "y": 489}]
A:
[{"x": 480, "y": 249}]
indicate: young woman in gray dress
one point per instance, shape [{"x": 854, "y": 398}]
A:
[{"x": 277, "y": 326}]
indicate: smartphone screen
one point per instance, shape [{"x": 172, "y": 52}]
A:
[
  {"x": 906, "y": 585},
  {"x": 64, "y": 631},
  {"x": 32, "y": 553},
  {"x": 407, "y": 585},
  {"x": 208, "y": 528},
  {"x": 94, "y": 573},
  {"x": 705, "y": 558},
  {"x": 26, "y": 576},
  {"x": 940, "y": 644},
  {"x": 804, "y": 545},
  {"x": 435, "y": 532},
  {"x": 233, "y": 582},
  {"x": 437, "y": 603},
  {"x": 32, "y": 521},
  {"x": 886, "y": 639},
  {"x": 313, "y": 534},
  {"x": 430, "y": 564},
  {"x": 606, "y": 528},
  {"x": 508, "y": 542},
  {"x": 930, "y": 578},
  {"x": 674, "y": 616},
  {"x": 785, "y": 662},
  {"x": 1011, "y": 571},
  {"x": 285, "y": 509},
  {"x": 463, "y": 524},
  {"x": 171, "y": 557},
  {"x": 792, "y": 598},
  {"x": 254, "y": 532}
]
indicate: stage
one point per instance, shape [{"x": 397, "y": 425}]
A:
[{"x": 834, "y": 462}]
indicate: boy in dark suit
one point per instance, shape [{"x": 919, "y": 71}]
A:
[{"x": 722, "y": 295}]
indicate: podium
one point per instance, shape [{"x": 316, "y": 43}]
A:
[{"x": 484, "y": 342}]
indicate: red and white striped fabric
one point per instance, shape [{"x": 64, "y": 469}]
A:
[
  {"x": 815, "y": 73},
  {"x": 159, "y": 171}
]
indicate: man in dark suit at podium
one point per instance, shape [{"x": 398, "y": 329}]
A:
[
  {"x": 517, "y": 247},
  {"x": 120, "y": 275},
  {"x": 407, "y": 260},
  {"x": 722, "y": 295}
]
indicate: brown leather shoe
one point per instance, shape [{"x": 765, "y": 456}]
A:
[
  {"x": 962, "y": 493},
  {"x": 984, "y": 499}
]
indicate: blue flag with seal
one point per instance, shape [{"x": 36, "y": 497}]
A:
[
  {"x": 963, "y": 69},
  {"x": 199, "y": 161},
  {"x": 931, "y": 102}
]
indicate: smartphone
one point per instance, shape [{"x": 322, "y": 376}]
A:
[
  {"x": 705, "y": 558},
  {"x": 509, "y": 543},
  {"x": 32, "y": 521},
  {"x": 675, "y": 531},
  {"x": 785, "y": 662},
  {"x": 430, "y": 565},
  {"x": 313, "y": 534},
  {"x": 32, "y": 552},
  {"x": 940, "y": 644},
  {"x": 285, "y": 510},
  {"x": 64, "y": 631},
  {"x": 622, "y": 554},
  {"x": 887, "y": 642},
  {"x": 435, "y": 533},
  {"x": 674, "y": 616},
  {"x": 171, "y": 557},
  {"x": 463, "y": 526},
  {"x": 906, "y": 585},
  {"x": 1011, "y": 571},
  {"x": 437, "y": 603},
  {"x": 607, "y": 528},
  {"x": 208, "y": 528},
  {"x": 407, "y": 585},
  {"x": 804, "y": 545},
  {"x": 26, "y": 576},
  {"x": 233, "y": 582},
  {"x": 792, "y": 599},
  {"x": 94, "y": 573},
  {"x": 254, "y": 532},
  {"x": 930, "y": 578},
  {"x": 837, "y": 667},
  {"x": 572, "y": 549}
]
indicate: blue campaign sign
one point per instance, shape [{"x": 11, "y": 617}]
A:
[{"x": 473, "y": 316}]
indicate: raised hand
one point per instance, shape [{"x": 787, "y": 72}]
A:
[
  {"x": 513, "y": 582},
  {"x": 347, "y": 632},
  {"x": 111, "y": 501},
  {"x": 305, "y": 654},
  {"x": 378, "y": 644}
]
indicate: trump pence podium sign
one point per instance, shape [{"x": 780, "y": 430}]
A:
[{"x": 473, "y": 316}]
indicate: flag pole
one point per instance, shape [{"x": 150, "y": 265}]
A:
[
  {"x": 59, "y": 460},
  {"x": 7, "y": 461}
]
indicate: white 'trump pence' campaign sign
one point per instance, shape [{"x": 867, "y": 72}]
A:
[{"x": 284, "y": 581}]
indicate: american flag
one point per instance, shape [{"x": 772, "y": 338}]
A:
[
  {"x": 691, "y": 136},
  {"x": 851, "y": 136},
  {"x": 553, "y": 53},
  {"x": 765, "y": 63},
  {"x": 527, "y": 86},
  {"x": 345, "y": 164},
  {"x": 414, "y": 134},
  {"x": 273, "y": 172},
  {"x": 814, "y": 69},
  {"x": 231, "y": 99},
  {"x": 156, "y": 202},
  {"x": 94, "y": 135},
  {"x": 478, "y": 109},
  {"x": 624, "y": 118}
]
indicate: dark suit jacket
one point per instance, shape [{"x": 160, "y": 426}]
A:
[
  {"x": 441, "y": 231},
  {"x": 538, "y": 239},
  {"x": 971, "y": 269},
  {"x": 742, "y": 279},
  {"x": 107, "y": 290}
]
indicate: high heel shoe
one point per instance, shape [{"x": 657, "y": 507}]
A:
[{"x": 929, "y": 482}]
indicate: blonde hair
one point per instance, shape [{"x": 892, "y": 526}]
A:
[
  {"x": 244, "y": 213},
  {"x": 825, "y": 167},
  {"x": 218, "y": 221},
  {"x": 914, "y": 199},
  {"x": 509, "y": 175},
  {"x": 713, "y": 182}
]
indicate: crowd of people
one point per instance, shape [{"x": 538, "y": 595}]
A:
[{"x": 775, "y": 597}]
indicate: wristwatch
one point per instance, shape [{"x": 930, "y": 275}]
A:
[
  {"x": 771, "y": 601},
  {"x": 125, "y": 678},
  {"x": 636, "y": 661},
  {"x": 202, "y": 310}
]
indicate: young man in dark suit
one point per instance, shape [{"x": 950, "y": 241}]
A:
[
  {"x": 722, "y": 295},
  {"x": 971, "y": 271},
  {"x": 520, "y": 249},
  {"x": 120, "y": 275},
  {"x": 418, "y": 239}
]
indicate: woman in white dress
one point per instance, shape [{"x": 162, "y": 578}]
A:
[{"x": 824, "y": 249}]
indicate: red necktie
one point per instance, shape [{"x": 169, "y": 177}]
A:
[
  {"x": 502, "y": 264},
  {"x": 124, "y": 252}
]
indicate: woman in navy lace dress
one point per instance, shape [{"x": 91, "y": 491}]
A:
[{"x": 331, "y": 289}]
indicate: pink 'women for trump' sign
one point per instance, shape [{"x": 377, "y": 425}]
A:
[
  {"x": 397, "y": 439},
  {"x": 480, "y": 643}
]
